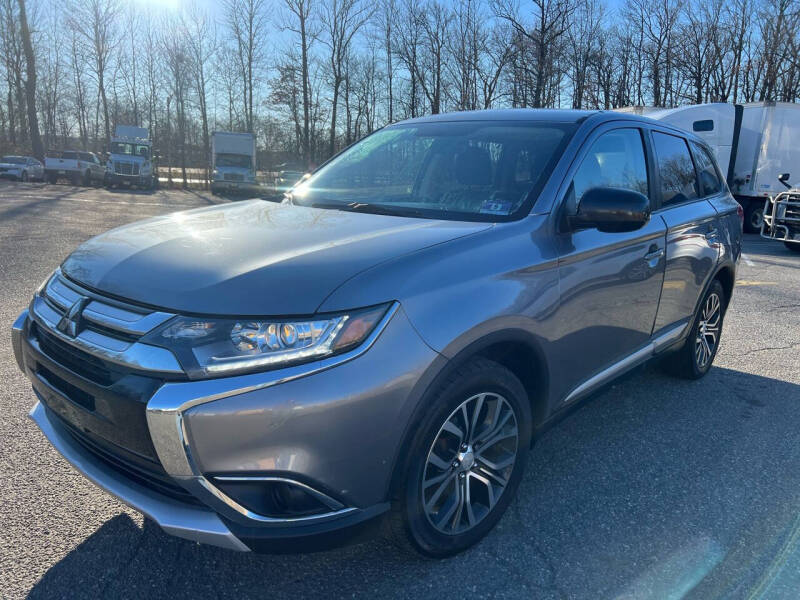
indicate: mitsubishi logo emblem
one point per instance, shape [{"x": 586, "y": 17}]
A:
[{"x": 71, "y": 323}]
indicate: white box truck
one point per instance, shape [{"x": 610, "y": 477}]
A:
[
  {"x": 233, "y": 162},
  {"x": 130, "y": 160},
  {"x": 754, "y": 144}
]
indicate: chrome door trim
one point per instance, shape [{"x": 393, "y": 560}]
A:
[{"x": 625, "y": 364}]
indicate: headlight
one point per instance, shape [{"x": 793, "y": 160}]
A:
[{"x": 210, "y": 347}]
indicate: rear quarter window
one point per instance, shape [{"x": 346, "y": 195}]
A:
[
  {"x": 710, "y": 182},
  {"x": 675, "y": 169}
]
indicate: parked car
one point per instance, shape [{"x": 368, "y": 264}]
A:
[
  {"x": 21, "y": 168},
  {"x": 79, "y": 168},
  {"x": 382, "y": 347},
  {"x": 286, "y": 180}
]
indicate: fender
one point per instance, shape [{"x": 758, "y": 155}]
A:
[{"x": 441, "y": 368}]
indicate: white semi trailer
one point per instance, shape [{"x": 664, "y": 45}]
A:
[
  {"x": 754, "y": 143},
  {"x": 233, "y": 162}
]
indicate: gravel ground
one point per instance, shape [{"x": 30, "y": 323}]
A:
[{"x": 654, "y": 488}]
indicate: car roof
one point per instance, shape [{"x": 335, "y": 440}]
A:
[
  {"x": 553, "y": 115},
  {"x": 508, "y": 114}
]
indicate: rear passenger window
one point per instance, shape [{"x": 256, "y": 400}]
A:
[
  {"x": 709, "y": 178},
  {"x": 616, "y": 159},
  {"x": 676, "y": 169}
]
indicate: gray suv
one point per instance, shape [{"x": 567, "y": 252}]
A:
[{"x": 381, "y": 348}]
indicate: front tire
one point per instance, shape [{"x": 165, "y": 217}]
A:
[
  {"x": 697, "y": 354},
  {"x": 24, "y": 177},
  {"x": 465, "y": 462}
]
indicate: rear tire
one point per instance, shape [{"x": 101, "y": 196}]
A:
[
  {"x": 793, "y": 246},
  {"x": 449, "y": 496},
  {"x": 695, "y": 357},
  {"x": 87, "y": 179},
  {"x": 24, "y": 177},
  {"x": 753, "y": 218}
]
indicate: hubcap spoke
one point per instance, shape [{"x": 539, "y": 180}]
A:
[
  {"x": 482, "y": 436},
  {"x": 708, "y": 331}
]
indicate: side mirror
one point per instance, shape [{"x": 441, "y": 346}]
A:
[
  {"x": 784, "y": 179},
  {"x": 611, "y": 210}
]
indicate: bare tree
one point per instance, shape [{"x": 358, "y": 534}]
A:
[
  {"x": 299, "y": 21},
  {"x": 342, "y": 19},
  {"x": 96, "y": 23}
]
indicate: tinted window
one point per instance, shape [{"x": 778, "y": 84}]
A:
[
  {"x": 69, "y": 155},
  {"x": 615, "y": 159},
  {"x": 676, "y": 169},
  {"x": 86, "y": 156},
  {"x": 705, "y": 125},
  {"x": 709, "y": 177},
  {"x": 471, "y": 170}
]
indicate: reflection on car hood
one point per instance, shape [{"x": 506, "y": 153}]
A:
[{"x": 250, "y": 258}]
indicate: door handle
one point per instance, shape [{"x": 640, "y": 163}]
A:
[
  {"x": 712, "y": 234},
  {"x": 654, "y": 253}
]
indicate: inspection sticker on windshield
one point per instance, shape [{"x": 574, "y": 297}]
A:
[{"x": 493, "y": 207}]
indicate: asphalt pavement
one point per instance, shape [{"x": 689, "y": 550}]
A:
[{"x": 654, "y": 488}]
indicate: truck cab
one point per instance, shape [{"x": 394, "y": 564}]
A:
[
  {"x": 233, "y": 162},
  {"x": 130, "y": 159}
]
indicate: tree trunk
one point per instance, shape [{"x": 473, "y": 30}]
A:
[{"x": 30, "y": 83}]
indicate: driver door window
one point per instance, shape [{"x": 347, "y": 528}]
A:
[{"x": 616, "y": 159}]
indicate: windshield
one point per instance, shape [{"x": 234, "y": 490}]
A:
[
  {"x": 242, "y": 161},
  {"x": 15, "y": 160},
  {"x": 131, "y": 149},
  {"x": 485, "y": 171}
]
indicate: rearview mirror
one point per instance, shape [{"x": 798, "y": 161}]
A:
[{"x": 611, "y": 210}]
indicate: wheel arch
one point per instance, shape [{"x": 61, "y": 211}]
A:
[{"x": 516, "y": 349}]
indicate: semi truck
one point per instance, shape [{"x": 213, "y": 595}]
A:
[
  {"x": 233, "y": 162},
  {"x": 754, "y": 143},
  {"x": 130, "y": 160}
]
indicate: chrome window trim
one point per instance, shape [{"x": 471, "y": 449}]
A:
[{"x": 168, "y": 428}]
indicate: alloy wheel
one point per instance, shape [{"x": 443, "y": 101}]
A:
[
  {"x": 470, "y": 463},
  {"x": 708, "y": 331}
]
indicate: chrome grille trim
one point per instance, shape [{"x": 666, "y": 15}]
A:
[{"x": 129, "y": 322}]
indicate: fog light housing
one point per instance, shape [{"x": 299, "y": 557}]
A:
[{"x": 276, "y": 497}]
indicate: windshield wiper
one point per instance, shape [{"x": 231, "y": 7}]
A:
[{"x": 367, "y": 207}]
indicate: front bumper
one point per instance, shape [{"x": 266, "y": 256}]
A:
[
  {"x": 222, "y": 185},
  {"x": 119, "y": 179},
  {"x": 333, "y": 426}
]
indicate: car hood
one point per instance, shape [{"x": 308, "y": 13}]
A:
[
  {"x": 251, "y": 258},
  {"x": 10, "y": 166}
]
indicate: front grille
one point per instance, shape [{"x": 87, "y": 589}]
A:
[
  {"x": 88, "y": 381},
  {"x": 126, "y": 168},
  {"x": 144, "y": 472},
  {"x": 233, "y": 177},
  {"x": 76, "y": 360}
]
